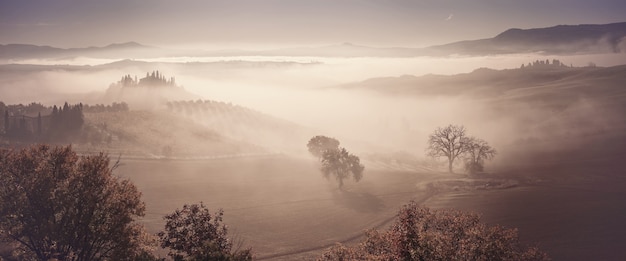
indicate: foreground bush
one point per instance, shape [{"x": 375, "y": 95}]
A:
[
  {"x": 57, "y": 205},
  {"x": 192, "y": 233},
  {"x": 423, "y": 234}
]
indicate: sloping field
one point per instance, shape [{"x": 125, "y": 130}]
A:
[
  {"x": 572, "y": 202},
  {"x": 280, "y": 206},
  {"x": 148, "y": 134},
  {"x": 575, "y": 213}
]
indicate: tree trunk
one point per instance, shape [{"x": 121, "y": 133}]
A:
[{"x": 450, "y": 161}]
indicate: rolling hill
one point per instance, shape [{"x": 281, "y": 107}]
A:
[
  {"x": 244, "y": 124},
  {"x": 554, "y": 114},
  {"x": 597, "y": 82}
]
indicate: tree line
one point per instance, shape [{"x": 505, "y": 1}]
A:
[
  {"x": 207, "y": 107},
  {"x": 556, "y": 63},
  {"x": 35, "y": 122},
  {"x": 38, "y": 123},
  {"x": 98, "y": 108}
]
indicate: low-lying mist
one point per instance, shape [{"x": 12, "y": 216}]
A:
[{"x": 304, "y": 90}]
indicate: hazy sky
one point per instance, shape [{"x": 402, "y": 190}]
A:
[{"x": 268, "y": 23}]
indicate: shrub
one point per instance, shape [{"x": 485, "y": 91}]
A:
[
  {"x": 423, "y": 234},
  {"x": 192, "y": 233}
]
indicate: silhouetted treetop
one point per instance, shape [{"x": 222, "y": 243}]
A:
[
  {"x": 154, "y": 79},
  {"x": 319, "y": 144},
  {"x": 541, "y": 64}
]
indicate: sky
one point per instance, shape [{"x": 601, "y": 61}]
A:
[{"x": 281, "y": 23}]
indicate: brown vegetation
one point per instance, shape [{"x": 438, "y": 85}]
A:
[
  {"x": 57, "y": 205},
  {"x": 192, "y": 233},
  {"x": 423, "y": 234}
]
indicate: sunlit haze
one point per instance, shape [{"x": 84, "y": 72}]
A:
[
  {"x": 280, "y": 23},
  {"x": 310, "y": 122}
]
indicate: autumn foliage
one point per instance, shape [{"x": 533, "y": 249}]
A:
[
  {"x": 423, "y": 234},
  {"x": 193, "y": 233},
  {"x": 57, "y": 205}
]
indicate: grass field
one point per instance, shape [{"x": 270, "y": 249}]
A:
[
  {"x": 574, "y": 209},
  {"x": 282, "y": 207}
]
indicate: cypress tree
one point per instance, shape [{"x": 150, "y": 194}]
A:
[
  {"x": 6, "y": 121},
  {"x": 39, "y": 124}
]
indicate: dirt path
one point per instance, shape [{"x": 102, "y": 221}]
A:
[{"x": 426, "y": 190}]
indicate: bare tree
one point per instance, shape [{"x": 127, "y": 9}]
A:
[
  {"x": 340, "y": 164},
  {"x": 450, "y": 142},
  {"x": 478, "y": 151}
]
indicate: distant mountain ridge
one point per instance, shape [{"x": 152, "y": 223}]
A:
[
  {"x": 563, "y": 34},
  {"x": 115, "y": 50},
  {"x": 560, "y": 39}
]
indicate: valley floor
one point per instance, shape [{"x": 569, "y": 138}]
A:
[{"x": 282, "y": 206}]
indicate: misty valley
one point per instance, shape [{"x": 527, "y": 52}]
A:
[{"x": 341, "y": 152}]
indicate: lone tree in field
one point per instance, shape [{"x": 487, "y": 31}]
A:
[
  {"x": 59, "y": 206},
  {"x": 478, "y": 151},
  {"x": 419, "y": 233},
  {"x": 192, "y": 233},
  {"x": 339, "y": 163},
  {"x": 318, "y": 144},
  {"x": 450, "y": 142}
]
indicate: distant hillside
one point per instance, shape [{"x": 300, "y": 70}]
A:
[
  {"x": 558, "y": 102},
  {"x": 489, "y": 83},
  {"x": 161, "y": 94},
  {"x": 201, "y": 128},
  {"x": 562, "y": 39},
  {"x": 150, "y": 92},
  {"x": 243, "y": 124},
  {"x": 156, "y": 134}
]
